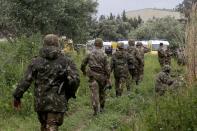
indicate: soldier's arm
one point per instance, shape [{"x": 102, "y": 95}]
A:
[
  {"x": 73, "y": 79},
  {"x": 160, "y": 52},
  {"x": 165, "y": 79},
  {"x": 72, "y": 70},
  {"x": 146, "y": 50},
  {"x": 137, "y": 55},
  {"x": 84, "y": 64},
  {"x": 24, "y": 84},
  {"x": 170, "y": 81}
]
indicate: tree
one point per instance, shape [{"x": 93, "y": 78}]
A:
[
  {"x": 118, "y": 18},
  {"x": 164, "y": 28},
  {"x": 124, "y": 17},
  {"x": 63, "y": 17},
  {"x": 6, "y": 26},
  {"x": 107, "y": 30},
  {"x": 111, "y": 17},
  {"x": 185, "y": 7},
  {"x": 101, "y": 18}
]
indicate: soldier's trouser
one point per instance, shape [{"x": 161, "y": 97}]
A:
[
  {"x": 119, "y": 85},
  {"x": 97, "y": 95},
  {"x": 50, "y": 121},
  {"x": 141, "y": 72},
  {"x": 134, "y": 74}
]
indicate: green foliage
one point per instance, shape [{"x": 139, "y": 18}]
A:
[
  {"x": 174, "y": 112},
  {"x": 63, "y": 17},
  {"x": 165, "y": 28},
  {"x": 185, "y": 6},
  {"x": 114, "y": 28},
  {"x": 137, "y": 110}
]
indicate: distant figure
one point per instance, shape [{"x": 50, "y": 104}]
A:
[
  {"x": 134, "y": 61},
  {"x": 161, "y": 55},
  {"x": 181, "y": 58},
  {"x": 56, "y": 80},
  {"x": 98, "y": 73},
  {"x": 163, "y": 80},
  {"x": 142, "y": 50},
  {"x": 168, "y": 56},
  {"x": 119, "y": 65}
]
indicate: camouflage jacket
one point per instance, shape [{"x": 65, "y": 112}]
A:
[
  {"x": 161, "y": 53},
  {"x": 168, "y": 55},
  {"x": 181, "y": 57},
  {"x": 119, "y": 64},
  {"x": 52, "y": 73},
  {"x": 163, "y": 80},
  {"x": 142, "y": 50},
  {"x": 99, "y": 68},
  {"x": 133, "y": 57}
]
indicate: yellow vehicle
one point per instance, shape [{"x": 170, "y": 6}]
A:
[{"x": 67, "y": 44}]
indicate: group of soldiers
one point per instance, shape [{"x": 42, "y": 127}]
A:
[
  {"x": 122, "y": 63},
  {"x": 56, "y": 78},
  {"x": 164, "y": 80}
]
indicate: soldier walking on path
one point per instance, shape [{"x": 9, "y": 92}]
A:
[
  {"x": 119, "y": 65},
  {"x": 142, "y": 50},
  {"x": 163, "y": 80},
  {"x": 134, "y": 60},
  {"x": 98, "y": 73},
  {"x": 56, "y": 80},
  {"x": 161, "y": 55}
]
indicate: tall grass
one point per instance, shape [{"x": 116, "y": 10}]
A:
[{"x": 134, "y": 111}]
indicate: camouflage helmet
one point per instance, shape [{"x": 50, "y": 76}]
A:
[
  {"x": 139, "y": 44},
  {"x": 166, "y": 68},
  {"x": 131, "y": 42},
  {"x": 120, "y": 45},
  {"x": 98, "y": 42},
  {"x": 51, "y": 40}
]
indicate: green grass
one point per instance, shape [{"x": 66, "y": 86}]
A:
[{"x": 133, "y": 111}]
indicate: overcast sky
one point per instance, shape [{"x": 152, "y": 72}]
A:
[{"x": 117, "y": 6}]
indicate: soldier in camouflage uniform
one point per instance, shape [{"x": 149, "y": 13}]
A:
[
  {"x": 142, "y": 50},
  {"x": 134, "y": 61},
  {"x": 181, "y": 58},
  {"x": 163, "y": 80},
  {"x": 56, "y": 79},
  {"x": 168, "y": 55},
  {"x": 119, "y": 65},
  {"x": 98, "y": 73},
  {"x": 161, "y": 55}
]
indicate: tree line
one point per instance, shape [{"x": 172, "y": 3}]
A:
[
  {"x": 76, "y": 20},
  {"x": 113, "y": 28}
]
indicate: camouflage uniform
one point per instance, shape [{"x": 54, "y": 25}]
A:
[
  {"x": 119, "y": 64},
  {"x": 161, "y": 55},
  {"x": 53, "y": 74},
  {"x": 163, "y": 80},
  {"x": 168, "y": 55},
  {"x": 142, "y": 50},
  {"x": 134, "y": 61},
  {"x": 181, "y": 59},
  {"x": 98, "y": 73}
]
